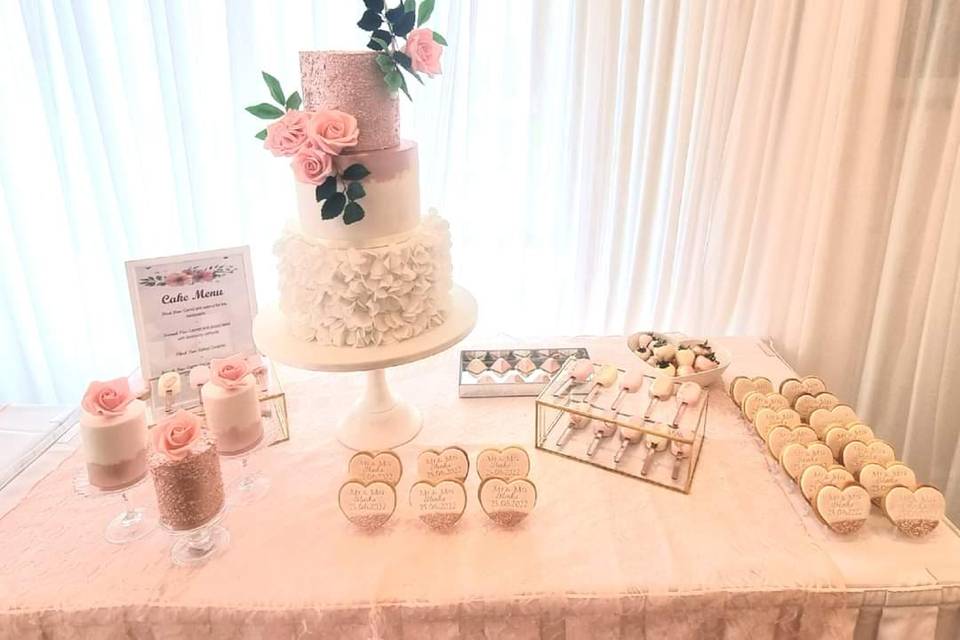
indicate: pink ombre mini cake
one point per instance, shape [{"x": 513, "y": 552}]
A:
[
  {"x": 113, "y": 427},
  {"x": 232, "y": 406},
  {"x": 185, "y": 466}
]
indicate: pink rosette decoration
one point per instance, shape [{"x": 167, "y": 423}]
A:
[
  {"x": 333, "y": 131},
  {"x": 172, "y": 437},
  {"x": 288, "y": 134},
  {"x": 108, "y": 398},
  {"x": 229, "y": 372},
  {"x": 424, "y": 52},
  {"x": 311, "y": 165}
]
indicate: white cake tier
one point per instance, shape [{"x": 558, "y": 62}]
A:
[
  {"x": 233, "y": 415},
  {"x": 362, "y": 297},
  {"x": 110, "y": 440},
  {"x": 391, "y": 203}
]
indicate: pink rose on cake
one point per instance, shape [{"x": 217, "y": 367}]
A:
[
  {"x": 333, "y": 131},
  {"x": 173, "y": 436},
  {"x": 229, "y": 372},
  {"x": 108, "y": 398},
  {"x": 312, "y": 165},
  {"x": 424, "y": 52},
  {"x": 287, "y": 135}
]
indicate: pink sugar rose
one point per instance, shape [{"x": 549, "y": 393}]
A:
[
  {"x": 229, "y": 372},
  {"x": 179, "y": 279},
  {"x": 424, "y": 52},
  {"x": 287, "y": 135},
  {"x": 312, "y": 165},
  {"x": 173, "y": 436},
  {"x": 333, "y": 131},
  {"x": 108, "y": 398}
]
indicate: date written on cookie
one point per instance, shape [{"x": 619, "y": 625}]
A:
[
  {"x": 450, "y": 464},
  {"x": 368, "y": 506},
  {"x": 507, "y": 502},
  {"x": 440, "y": 505},
  {"x": 508, "y": 463},
  {"x": 366, "y": 467}
]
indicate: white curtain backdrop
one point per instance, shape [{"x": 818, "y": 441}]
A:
[{"x": 772, "y": 167}]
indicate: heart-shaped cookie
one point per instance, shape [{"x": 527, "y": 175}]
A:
[
  {"x": 507, "y": 502},
  {"x": 366, "y": 467},
  {"x": 742, "y": 385},
  {"x": 450, "y": 464},
  {"x": 368, "y": 506},
  {"x": 915, "y": 512},
  {"x": 767, "y": 419},
  {"x": 878, "y": 479},
  {"x": 838, "y": 437},
  {"x": 439, "y": 505},
  {"x": 792, "y": 388},
  {"x": 781, "y": 436},
  {"x": 822, "y": 419},
  {"x": 856, "y": 454},
  {"x": 806, "y": 404},
  {"x": 796, "y": 457},
  {"x": 508, "y": 463},
  {"x": 843, "y": 510},
  {"x": 755, "y": 401},
  {"x": 817, "y": 476}
]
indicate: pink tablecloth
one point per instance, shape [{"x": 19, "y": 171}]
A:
[{"x": 603, "y": 556}]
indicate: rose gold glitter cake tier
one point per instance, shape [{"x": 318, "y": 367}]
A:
[
  {"x": 189, "y": 491},
  {"x": 351, "y": 81},
  {"x": 113, "y": 477}
]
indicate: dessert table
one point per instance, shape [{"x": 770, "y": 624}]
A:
[{"x": 601, "y": 556}]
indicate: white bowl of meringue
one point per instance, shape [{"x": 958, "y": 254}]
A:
[{"x": 685, "y": 359}]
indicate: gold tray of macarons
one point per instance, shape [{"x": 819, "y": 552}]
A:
[{"x": 838, "y": 464}]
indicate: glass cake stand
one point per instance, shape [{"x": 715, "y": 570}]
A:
[
  {"x": 380, "y": 419},
  {"x": 253, "y": 484},
  {"x": 130, "y": 524},
  {"x": 198, "y": 545}
]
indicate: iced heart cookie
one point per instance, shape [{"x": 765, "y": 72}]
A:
[
  {"x": 755, "y": 401},
  {"x": 367, "y": 506},
  {"x": 742, "y": 385},
  {"x": 822, "y": 419},
  {"x": 817, "y": 476},
  {"x": 507, "y": 502},
  {"x": 440, "y": 505},
  {"x": 767, "y": 419},
  {"x": 915, "y": 512},
  {"x": 843, "y": 510},
  {"x": 856, "y": 454},
  {"x": 878, "y": 479},
  {"x": 781, "y": 436},
  {"x": 806, "y": 404},
  {"x": 792, "y": 388},
  {"x": 838, "y": 437},
  {"x": 508, "y": 463},
  {"x": 450, "y": 464},
  {"x": 796, "y": 457},
  {"x": 366, "y": 467}
]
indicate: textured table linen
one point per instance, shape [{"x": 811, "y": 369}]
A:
[{"x": 602, "y": 556}]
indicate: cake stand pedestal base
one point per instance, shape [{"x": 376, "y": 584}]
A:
[{"x": 379, "y": 420}]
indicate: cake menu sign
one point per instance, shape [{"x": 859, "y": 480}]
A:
[{"x": 191, "y": 308}]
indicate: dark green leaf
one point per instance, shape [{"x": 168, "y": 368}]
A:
[
  {"x": 333, "y": 206},
  {"x": 393, "y": 79},
  {"x": 404, "y": 61},
  {"x": 376, "y": 44},
  {"x": 327, "y": 189},
  {"x": 374, "y": 5},
  {"x": 380, "y": 40},
  {"x": 294, "y": 101},
  {"x": 261, "y": 135},
  {"x": 385, "y": 63},
  {"x": 274, "y": 85},
  {"x": 370, "y": 21},
  {"x": 355, "y": 172},
  {"x": 409, "y": 5},
  {"x": 439, "y": 39},
  {"x": 403, "y": 87},
  {"x": 265, "y": 111},
  {"x": 426, "y": 9},
  {"x": 394, "y": 14},
  {"x": 352, "y": 213},
  {"x": 404, "y": 25},
  {"x": 355, "y": 191}
]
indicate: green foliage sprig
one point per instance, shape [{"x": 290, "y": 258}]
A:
[
  {"x": 340, "y": 194},
  {"x": 267, "y": 111}
]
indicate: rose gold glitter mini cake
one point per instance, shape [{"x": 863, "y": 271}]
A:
[{"x": 190, "y": 489}]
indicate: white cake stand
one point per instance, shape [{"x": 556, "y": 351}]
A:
[{"x": 379, "y": 420}]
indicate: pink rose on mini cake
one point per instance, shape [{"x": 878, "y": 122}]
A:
[
  {"x": 108, "y": 398},
  {"x": 287, "y": 135},
  {"x": 312, "y": 165},
  {"x": 424, "y": 52},
  {"x": 229, "y": 372},
  {"x": 333, "y": 131},
  {"x": 179, "y": 279},
  {"x": 173, "y": 436}
]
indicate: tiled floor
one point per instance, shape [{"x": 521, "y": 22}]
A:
[{"x": 26, "y": 431}]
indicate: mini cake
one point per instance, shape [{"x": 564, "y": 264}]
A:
[
  {"x": 186, "y": 472},
  {"x": 232, "y": 406},
  {"x": 113, "y": 427}
]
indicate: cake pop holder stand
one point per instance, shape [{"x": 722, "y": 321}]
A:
[
  {"x": 192, "y": 547},
  {"x": 130, "y": 524},
  {"x": 380, "y": 419}
]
